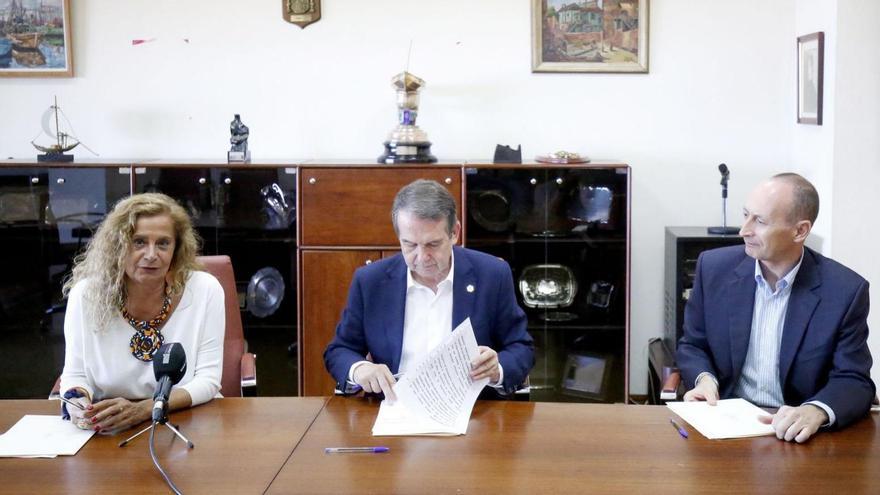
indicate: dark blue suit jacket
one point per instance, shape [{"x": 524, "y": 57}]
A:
[
  {"x": 373, "y": 320},
  {"x": 824, "y": 352}
]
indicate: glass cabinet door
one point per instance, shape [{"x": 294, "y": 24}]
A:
[
  {"x": 248, "y": 214},
  {"x": 24, "y": 286},
  {"x": 563, "y": 232},
  {"x": 47, "y": 216},
  {"x": 256, "y": 228},
  {"x": 193, "y": 188}
]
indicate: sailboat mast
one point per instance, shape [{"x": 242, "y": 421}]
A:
[{"x": 57, "y": 128}]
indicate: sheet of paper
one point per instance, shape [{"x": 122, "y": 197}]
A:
[
  {"x": 397, "y": 420},
  {"x": 730, "y": 418},
  {"x": 42, "y": 436},
  {"x": 437, "y": 395}
]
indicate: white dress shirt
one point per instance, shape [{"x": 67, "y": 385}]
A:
[{"x": 427, "y": 318}]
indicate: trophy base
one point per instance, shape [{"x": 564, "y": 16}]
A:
[
  {"x": 723, "y": 230},
  {"x": 407, "y": 153},
  {"x": 238, "y": 156},
  {"x": 558, "y": 316},
  {"x": 54, "y": 157}
]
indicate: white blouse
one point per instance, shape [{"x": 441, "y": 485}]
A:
[{"x": 102, "y": 363}]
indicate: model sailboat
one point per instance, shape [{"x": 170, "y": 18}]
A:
[{"x": 64, "y": 141}]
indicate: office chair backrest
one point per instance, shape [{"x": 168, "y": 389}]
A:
[{"x": 233, "y": 345}]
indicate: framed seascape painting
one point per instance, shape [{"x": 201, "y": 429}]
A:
[
  {"x": 35, "y": 39},
  {"x": 811, "y": 68},
  {"x": 589, "y": 35}
]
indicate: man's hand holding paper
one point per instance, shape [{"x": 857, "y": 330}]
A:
[
  {"x": 438, "y": 394},
  {"x": 706, "y": 390},
  {"x": 486, "y": 365}
]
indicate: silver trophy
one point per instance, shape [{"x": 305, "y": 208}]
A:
[
  {"x": 407, "y": 143},
  {"x": 549, "y": 286}
]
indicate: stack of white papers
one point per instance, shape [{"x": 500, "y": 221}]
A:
[
  {"x": 43, "y": 436},
  {"x": 731, "y": 418},
  {"x": 437, "y": 396}
]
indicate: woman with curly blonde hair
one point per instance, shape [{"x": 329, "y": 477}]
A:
[{"x": 136, "y": 286}]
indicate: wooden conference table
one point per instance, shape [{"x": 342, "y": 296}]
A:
[{"x": 276, "y": 445}]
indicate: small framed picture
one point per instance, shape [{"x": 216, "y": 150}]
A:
[
  {"x": 811, "y": 68},
  {"x": 586, "y": 375}
]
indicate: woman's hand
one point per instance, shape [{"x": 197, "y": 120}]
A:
[
  {"x": 69, "y": 410},
  {"x": 114, "y": 415}
]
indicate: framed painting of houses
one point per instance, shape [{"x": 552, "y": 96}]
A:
[
  {"x": 589, "y": 35},
  {"x": 35, "y": 38}
]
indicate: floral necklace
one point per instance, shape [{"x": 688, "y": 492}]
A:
[{"x": 147, "y": 337}]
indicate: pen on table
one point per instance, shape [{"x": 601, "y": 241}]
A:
[
  {"x": 74, "y": 404},
  {"x": 346, "y": 450},
  {"x": 681, "y": 431}
]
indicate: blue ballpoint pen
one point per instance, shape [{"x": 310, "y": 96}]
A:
[
  {"x": 70, "y": 402},
  {"x": 681, "y": 431},
  {"x": 345, "y": 450}
]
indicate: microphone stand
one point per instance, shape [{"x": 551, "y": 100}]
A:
[
  {"x": 723, "y": 229},
  {"x": 162, "y": 421}
]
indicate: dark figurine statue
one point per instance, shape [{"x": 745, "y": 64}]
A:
[{"x": 239, "y": 136}]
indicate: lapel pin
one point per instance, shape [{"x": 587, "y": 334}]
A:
[{"x": 469, "y": 288}]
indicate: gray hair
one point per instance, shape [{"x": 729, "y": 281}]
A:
[
  {"x": 427, "y": 200},
  {"x": 805, "y": 204}
]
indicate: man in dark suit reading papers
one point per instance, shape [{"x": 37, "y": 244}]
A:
[{"x": 401, "y": 307}]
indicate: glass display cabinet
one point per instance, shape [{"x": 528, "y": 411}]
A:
[{"x": 564, "y": 231}]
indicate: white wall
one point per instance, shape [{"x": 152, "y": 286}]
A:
[
  {"x": 812, "y": 148},
  {"x": 720, "y": 89},
  {"x": 857, "y": 150}
]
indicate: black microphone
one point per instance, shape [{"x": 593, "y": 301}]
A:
[
  {"x": 725, "y": 175},
  {"x": 169, "y": 366},
  {"x": 723, "y": 229}
]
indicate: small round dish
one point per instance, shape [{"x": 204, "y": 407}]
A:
[{"x": 562, "y": 157}]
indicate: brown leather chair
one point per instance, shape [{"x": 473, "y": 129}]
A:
[{"x": 239, "y": 367}]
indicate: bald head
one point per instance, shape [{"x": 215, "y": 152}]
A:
[
  {"x": 803, "y": 200},
  {"x": 777, "y": 219}
]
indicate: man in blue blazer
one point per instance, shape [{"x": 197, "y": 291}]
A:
[
  {"x": 777, "y": 323},
  {"x": 401, "y": 307}
]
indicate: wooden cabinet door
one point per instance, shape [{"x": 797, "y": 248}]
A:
[
  {"x": 352, "y": 206},
  {"x": 326, "y": 276}
]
